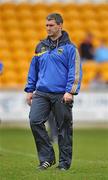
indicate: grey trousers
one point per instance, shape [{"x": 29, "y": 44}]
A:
[{"x": 42, "y": 104}]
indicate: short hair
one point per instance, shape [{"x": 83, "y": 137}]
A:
[{"x": 55, "y": 16}]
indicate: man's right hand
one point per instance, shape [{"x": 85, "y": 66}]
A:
[{"x": 29, "y": 98}]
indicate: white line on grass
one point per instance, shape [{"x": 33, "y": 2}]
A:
[
  {"x": 17, "y": 153},
  {"x": 92, "y": 161},
  {"x": 33, "y": 156}
]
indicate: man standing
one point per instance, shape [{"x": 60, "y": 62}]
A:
[{"x": 54, "y": 78}]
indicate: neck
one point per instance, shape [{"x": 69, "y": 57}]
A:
[{"x": 56, "y": 36}]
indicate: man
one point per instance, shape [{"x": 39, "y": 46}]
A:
[
  {"x": 86, "y": 48},
  {"x": 101, "y": 52},
  {"x": 54, "y": 78}
]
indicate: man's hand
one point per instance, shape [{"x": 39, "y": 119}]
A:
[
  {"x": 29, "y": 98},
  {"x": 68, "y": 97}
]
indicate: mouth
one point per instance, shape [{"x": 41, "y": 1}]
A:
[{"x": 49, "y": 32}]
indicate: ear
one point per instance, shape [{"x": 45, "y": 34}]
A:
[{"x": 61, "y": 26}]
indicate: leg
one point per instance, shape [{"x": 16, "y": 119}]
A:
[
  {"x": 63, "y": 116},
  {"x": 53, "y": 127},
  {"x": 39, "y": 113}
]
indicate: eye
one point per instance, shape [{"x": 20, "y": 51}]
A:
[{"x": 50, "y": 25}]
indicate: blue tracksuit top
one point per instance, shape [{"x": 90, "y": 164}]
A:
[{"x": 56, "y": 67}]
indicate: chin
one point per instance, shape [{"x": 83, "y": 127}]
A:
[{"x": 50, "y": 34}]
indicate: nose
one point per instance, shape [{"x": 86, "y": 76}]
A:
[{"x": 48, "y": 28}]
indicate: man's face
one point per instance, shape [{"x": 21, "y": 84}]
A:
[{"x": 53, "y": 29}]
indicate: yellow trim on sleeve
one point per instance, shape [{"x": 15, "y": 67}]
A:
[
  {"x": 39, "y": 54},
  {"x": 77, "y": 72}
]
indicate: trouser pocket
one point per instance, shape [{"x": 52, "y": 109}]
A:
[{"x": 63, "y": 112}]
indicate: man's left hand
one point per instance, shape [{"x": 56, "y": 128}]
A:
[{"x": 68, "y": 97}]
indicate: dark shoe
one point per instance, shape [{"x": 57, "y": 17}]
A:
[
  {"x": 45, "y": 165},
  {"x": 62, "y": 168}
]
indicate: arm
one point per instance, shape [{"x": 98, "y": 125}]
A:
[
  {"x": 32, "y": 76},
  {"x": 74, "y": 71},
  {"x": 32, "y": 79}
]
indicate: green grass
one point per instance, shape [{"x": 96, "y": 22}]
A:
[{"x": 18, "y": 159}]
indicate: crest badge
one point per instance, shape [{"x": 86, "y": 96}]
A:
[
  {"x": 60, "y": 51},
  {"x": 43, "y": 49}
]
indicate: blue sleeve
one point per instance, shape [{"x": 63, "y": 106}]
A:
[
  {"x": 74, "y": 71},
  {"x": 32, "y": 75}
]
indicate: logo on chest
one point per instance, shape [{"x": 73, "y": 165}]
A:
[
  {"x": 60, "y": 51},
  {"x": 43, "y": 49}
]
